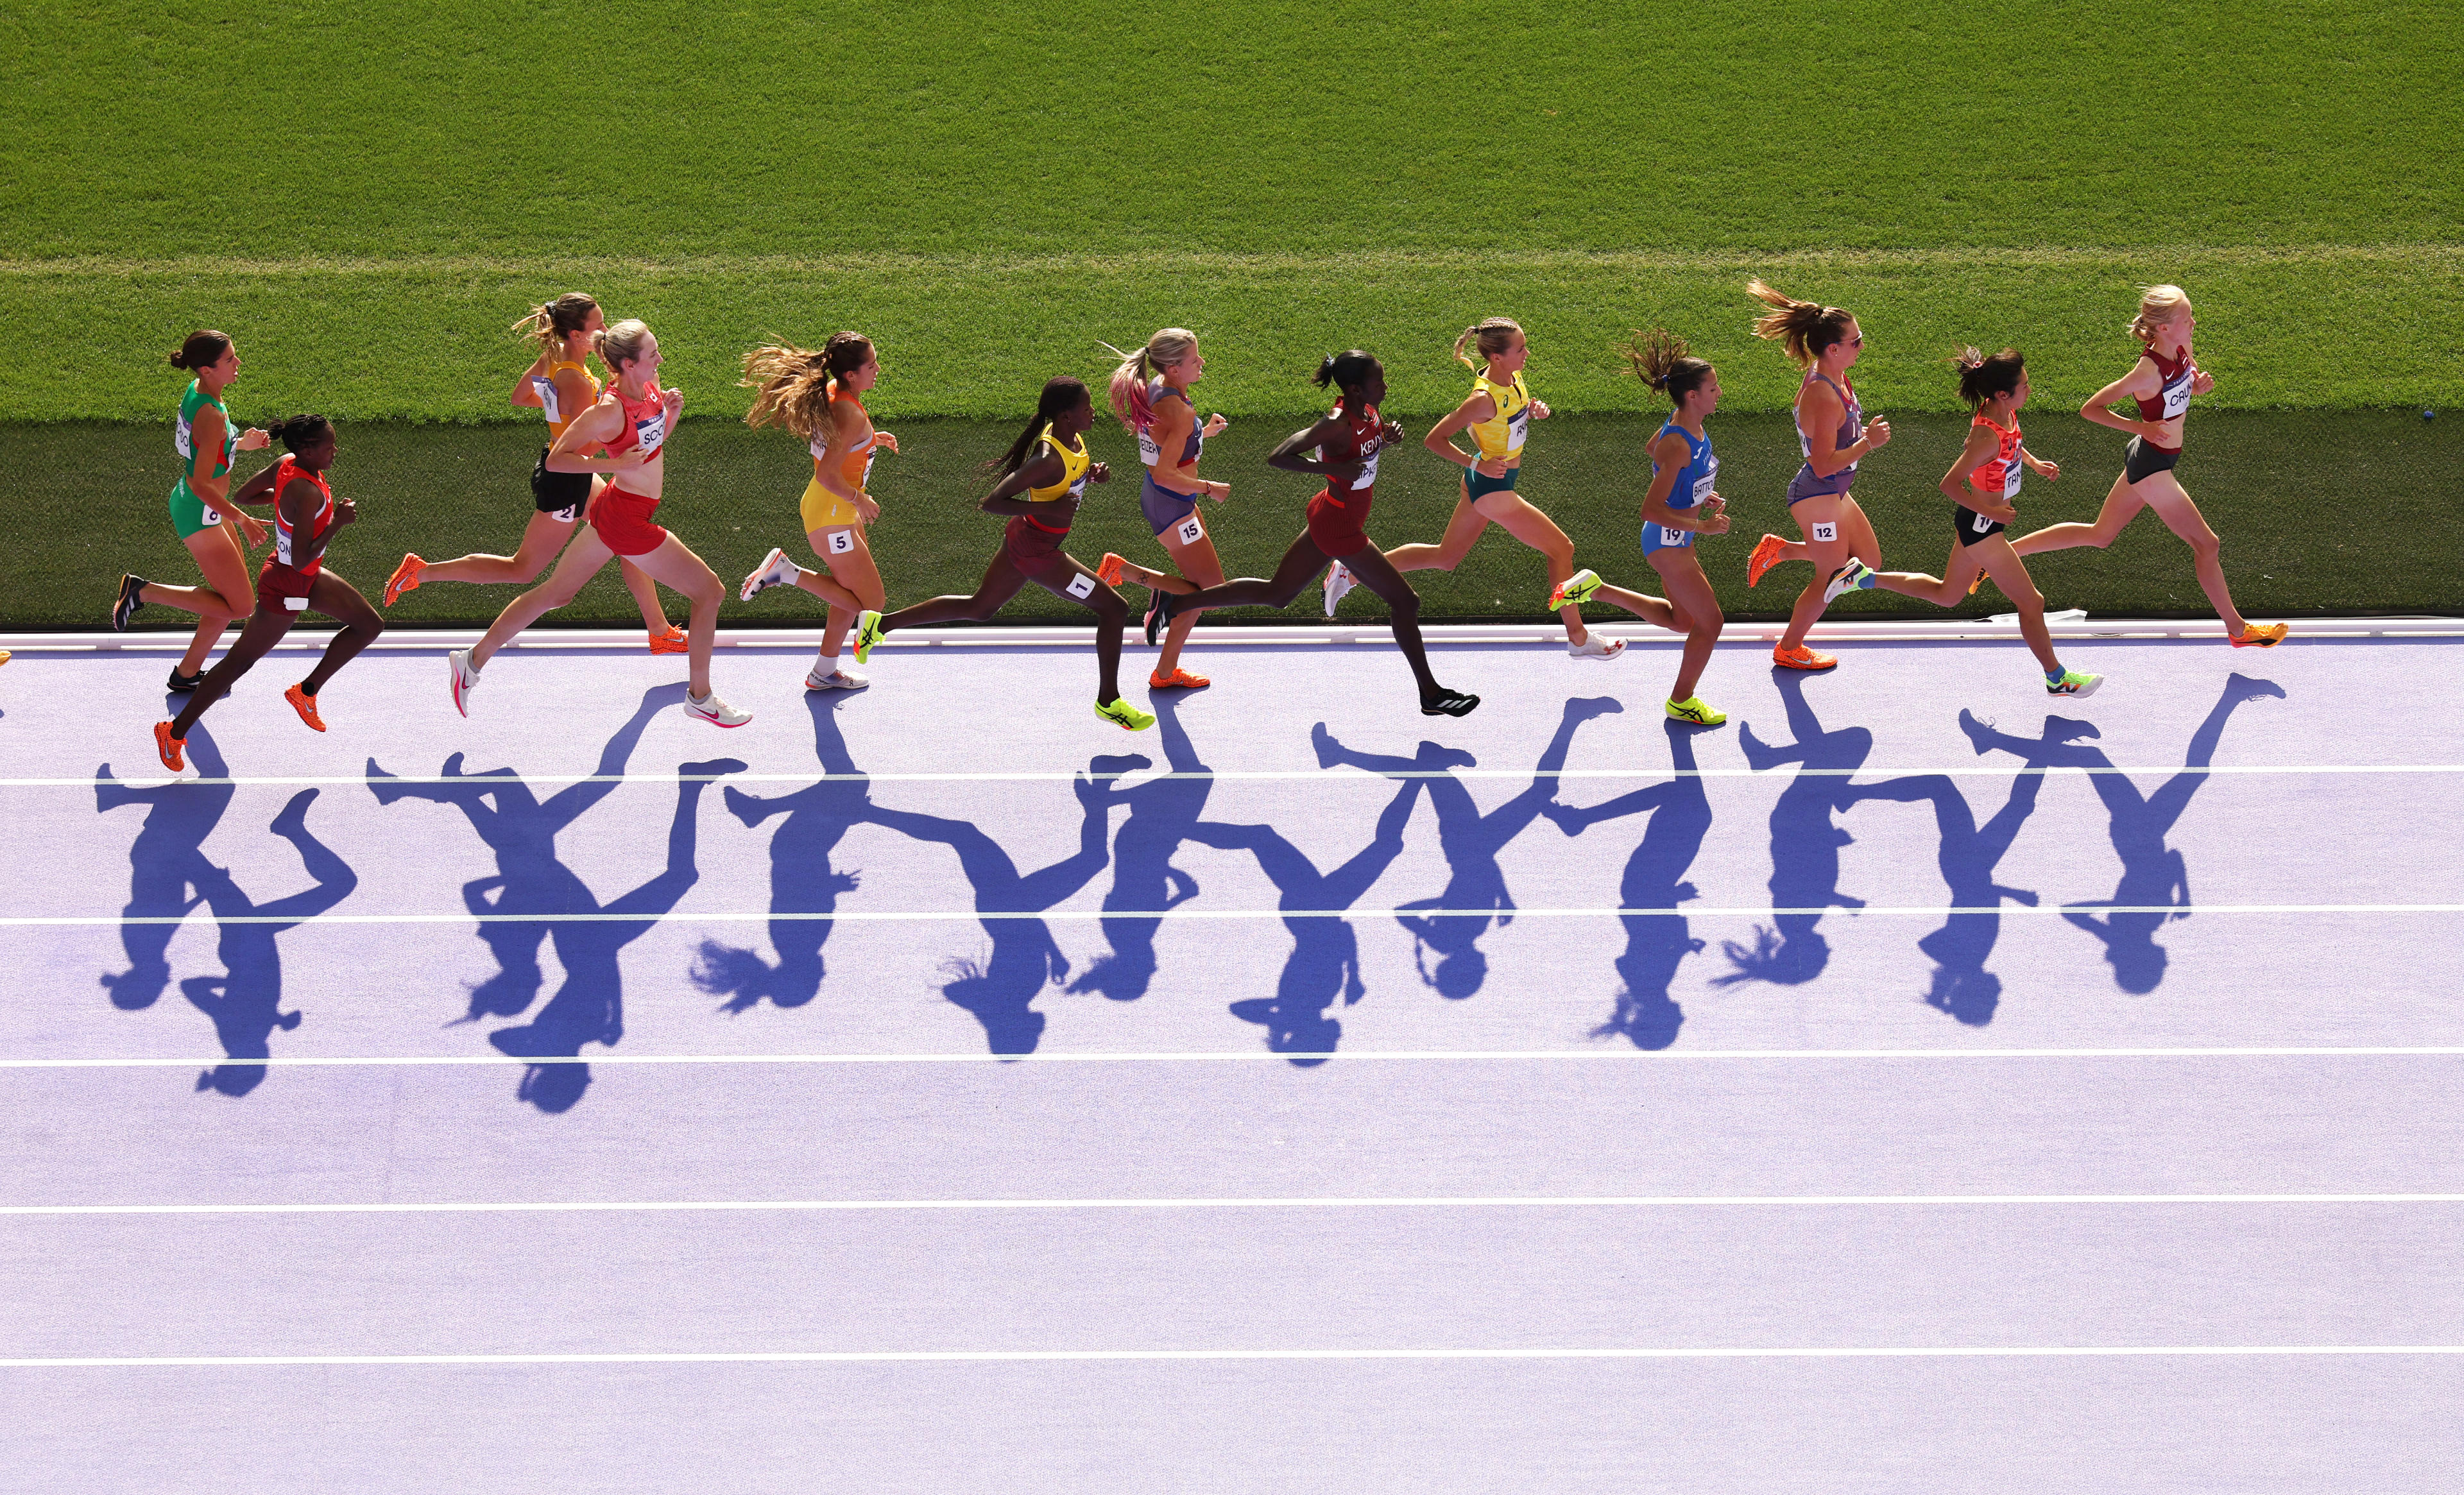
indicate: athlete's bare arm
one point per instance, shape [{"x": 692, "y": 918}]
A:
[
  {"x": 596, "y": 427},
  {"x": 298, "y": 503},
  {"x": 526, "y": 393},
  {"x": 1043, "y": 472},
  {"x": 847, "y": 429},
  {"x": 1669, "y": 456},
  {"x": 2142, "y": 383},
  {"x": 1980, "y": 448},
  {"x": 1293, "y": 455},
  {"x": 1440, "y": 439},
  {"x": 1171, "y": 432},
  {"x": 1818, "y": 409}
]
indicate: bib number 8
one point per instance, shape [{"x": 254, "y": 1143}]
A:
[{"x": 1825, "y": 531}]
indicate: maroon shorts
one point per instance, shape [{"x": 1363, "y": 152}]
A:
[
  {"x": 281, "y": 586},
  {"x": 1036, "y": 551},
  {"x": 1335, "y": 525},
  {"x": 623, "y": 520}
]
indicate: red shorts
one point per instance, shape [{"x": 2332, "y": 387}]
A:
[
  {"x": 1036, "y": 551},
  {"x": 1335, "y": 525},
  {"x": 283, "y": 588},
  {"x": 623, "y": 520}
]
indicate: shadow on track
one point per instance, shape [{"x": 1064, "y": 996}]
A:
[
  {"x": 1162, "y": 813},
  {"x": 1805, "y": 841},
  {"x": 532, "y": 883},
  {"x": 170, "y": 876},
  {"x": 1471, "y": 840}
]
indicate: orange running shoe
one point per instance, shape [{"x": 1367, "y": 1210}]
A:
[
  {"x": 169, "y": 747},
  {"x": 305, "y": 705},
  {"x": 1766, "y": 550},
  {"x": 1179, "y": 680},
  {"x": 404, "y": 578},
  {"x": 672, "y": 642},
  {"x": 1802, "y": 658},
  {"x": 1108, "y": 569},
  {"x": 2262, "y": 635}
]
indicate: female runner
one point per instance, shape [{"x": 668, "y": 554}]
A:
[
  {"x": 200, "y": 503},
  {"x": 819, "y": 397},
  {"x": 1346, "y": 445},
  {"x": 1044, "y": 477},
  {"x": 1149, "y": 393},
  {"x": 1680, "y": 503},
  {"x": 628, "y": 427},
  {"x": 293, "y": 581},
  {"x": 1834, "y": 435},
  {"x": 1981, "y": 486},
  {"x": 559, "y": 386},
  {"x": 1497, "y": 413},
  {"x": 2163, "y": 382}
]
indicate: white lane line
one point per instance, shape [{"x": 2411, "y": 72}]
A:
[
  {"x": 2012, "y": 770},
  {"x": 1618, "y": 1053},
  {"x": 881, "y": 1357},
  {"x": 1184, "y": 913},
  {"x": 1301, "y": 1202}
]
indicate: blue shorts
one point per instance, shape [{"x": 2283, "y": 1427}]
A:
[
  {"x": 1478, "y": 485},
  {"x": 1658, "y": 536},
  {"x": 1162, "y": 507}
]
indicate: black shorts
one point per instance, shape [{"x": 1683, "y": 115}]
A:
[
  {"x": 2141, "y": 461},
  {"x": 560, "y": 493},
  {"x": 1972, "y": 526}
]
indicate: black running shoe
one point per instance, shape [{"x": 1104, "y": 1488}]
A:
[
  {"x": 1449, "y": 703},
  {"x": 130, "y": 602},
  {"x": 1158, "y": 617},
  {"x": 180, "y": 684}
]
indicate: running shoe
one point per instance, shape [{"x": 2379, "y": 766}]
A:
[
  {"x": 180, "y": 684},
  {"x": 128, "y": 602},
  {"x": 1855, "y": 576},
  {"x": 1449, "y": 703},
  {"x": 305, "y": 705},
  {"x": 404, "y": 578},
  {"x": 835, "y": 680},
  {"x": 2074, "y": 683},
  {"x": 1108, "y": 569},
  {"x": 1158, "y": 617},
  {"x": 1691, "y": 709},
  {"x": 2262, "y": 635},
  {"x": 672, "y": 642},
  {"x": 1767, "y": 554},
  {"x": 1597, "y": 647},
  {"x": 1124, "y": 716},
  {"x": 868, "y": 633},
  {"x": 774, "y": 570},
  {"x": 1575, "y": 590},
  {"x": 1338, "y": 581},
  {"x": 170, "y": 748},
  {"x": 1802, "y": 658},
  {"x": 1975, "y": 581},
  {"x": 466, "y": 679},
  {"x": 7, "y": 655},
  {"x": 718, "y": 712},
  {"x": 1179, "y": 680}
]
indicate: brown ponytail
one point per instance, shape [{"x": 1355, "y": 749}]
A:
[
  {"x": 796, "y": 385},
  {"x": 1490, "y": 337},
  {"x": 1804, "y": 327},
  {"x": 203, "y": 349},
  {"x": 1982, "y": 379},
  {"x": 1659, "y": 359},
  {"x": 551, "y": 323}
]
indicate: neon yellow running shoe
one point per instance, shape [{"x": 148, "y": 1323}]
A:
[
  {"x": 2075, "y": 683},
  {"x": 1575, "y": 590},
  {"x": 1691, "y": 709},
  {"x": 868, "y": 633},
  {"x": 1124, "y": 716}
]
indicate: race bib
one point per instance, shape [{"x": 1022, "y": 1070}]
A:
[
  {"x": 546, "y": 389},
  {"x": 180, "y": 438},
  {"x": 2010, "y": 476},
  {"x": 213, "y": 516},
  {"x": 1669, "y": 536},
  {"x": 1148, "y": 452},
  {"x": 841, "y": 542},
  {"x": 1979, "y": 522},
  {"x": 568, "y": 514},
  {"x": 295, "y": 603},
  {"x": 1078, "y": 489},
  {"x": 1368, "y": 472},
  {"x": 1703, "y": 487},
  {"x": 1191, "y": 531},
  {"x": 650, "y": 434},
  {"x": 1826, "y": 531},
  {"x": 2177, "y": 397},
  {"x": 1517, "y": 428},
  {"x": 1081, "y": 585}
]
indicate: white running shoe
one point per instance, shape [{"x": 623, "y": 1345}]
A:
[
  {"x": 1855, "y": 576},
  {"x": 774, "y": 570},
  {"x": 1598, "y": 647},
  {"x": 466, "y": 679},
  {"x": 718, "y": 712},
  {"x": 835, "y": 680},
  {"x": 1338, "y": 581}
]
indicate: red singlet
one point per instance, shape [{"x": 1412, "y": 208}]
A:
[
  {"x": 282, "y": 581},
  {"x": 621, "y": 516},
  {"x": 2173, "y": 397},
  {"x": 1338, "y": 515}
]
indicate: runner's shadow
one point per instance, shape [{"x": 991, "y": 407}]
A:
[
  {"x": 1324, "y": 962},
  {"x": 171, "y": 877},
  {"x": 802, "y": 883},
  {"x": 535, "y": 898},
  {"x": 2153, "y": 874},
  {"x": 1656, "y": 944},
  {"x": 1025, "y": 958},
  {"x": 1163, "y": 814},
  {"x": 1805, "y": 842},
  {"x": 1471, "y": 840}
]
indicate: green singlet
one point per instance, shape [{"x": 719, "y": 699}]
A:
[{"x": 188, "y": 512}]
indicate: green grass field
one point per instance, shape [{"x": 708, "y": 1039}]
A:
[{"x": 366, "y": 193}]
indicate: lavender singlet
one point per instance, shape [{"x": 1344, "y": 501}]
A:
[{"x": 1852, "y": 423}]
